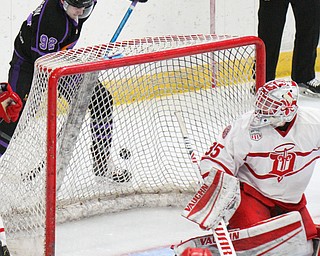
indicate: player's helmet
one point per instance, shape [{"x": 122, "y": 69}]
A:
[
  {"x": 87, "y": 4},
  {"x": 80, "y": 3},
  {"x": 275, "y": 103}
]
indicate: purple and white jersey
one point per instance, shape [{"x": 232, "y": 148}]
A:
[
  {"x": 279, "y": 164},
  {"x": 46, "y": 30}
]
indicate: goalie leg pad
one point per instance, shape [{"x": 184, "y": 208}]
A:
[
  {"x": 310, "y": 227},
  {"x": 217, "y": 199},
  {"x": 282, "y": 235}
]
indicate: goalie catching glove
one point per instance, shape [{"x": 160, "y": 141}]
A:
[
  {"x": 217, "y": 199},
  {"x": 11, "y": 103}
]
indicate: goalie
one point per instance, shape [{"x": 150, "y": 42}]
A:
[{"x": 272, "y": 152}]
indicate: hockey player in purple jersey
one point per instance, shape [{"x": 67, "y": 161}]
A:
[
  {"x": 54, "y": 26},
  {"x": 271, "y": 152}
]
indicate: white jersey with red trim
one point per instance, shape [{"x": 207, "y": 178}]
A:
[{"x": 277, "y": 163}]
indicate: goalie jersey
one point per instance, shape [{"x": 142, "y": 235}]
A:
[{"x": 277, "y": 163}]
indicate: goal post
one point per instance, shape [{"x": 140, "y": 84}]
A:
[{"x": 88, "y": 114}]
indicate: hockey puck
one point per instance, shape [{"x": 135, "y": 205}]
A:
[{"x": 125, "y": 154}]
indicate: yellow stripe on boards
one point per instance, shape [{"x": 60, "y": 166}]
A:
[
  {"x": 166, "y": 83},
  {"x": 284, "y": 64}
]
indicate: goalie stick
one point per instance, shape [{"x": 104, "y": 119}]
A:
[{"x": 220, "y": 233}]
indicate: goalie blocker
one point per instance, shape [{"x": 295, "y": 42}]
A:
[
  {"x": 281, "y": 235},
  {"x": 217, "y": 199}
]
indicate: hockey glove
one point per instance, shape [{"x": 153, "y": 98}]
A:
[
  {"x": 217, "y": 199},
  {"x": 11, "y": 104},
  {"x": 4, "y": 250}
]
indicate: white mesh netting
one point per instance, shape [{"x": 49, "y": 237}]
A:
[{"x": 103, "y": 110}]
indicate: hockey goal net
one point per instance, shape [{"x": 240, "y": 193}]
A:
[{"x": 99, "y": 131}]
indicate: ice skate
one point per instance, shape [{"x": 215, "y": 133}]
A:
[
  {"x": 310, "y": 88},
  {"x": 106, "y": 171}
]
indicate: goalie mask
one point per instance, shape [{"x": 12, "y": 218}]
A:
[{"x": 275, "y": 104}]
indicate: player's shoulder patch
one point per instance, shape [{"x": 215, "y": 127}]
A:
[
  {"x": 255, "y": 134},
  {"x": 226, "y": 131}
]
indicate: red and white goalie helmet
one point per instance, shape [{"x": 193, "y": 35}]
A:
[{"x": 275, "y": 103}]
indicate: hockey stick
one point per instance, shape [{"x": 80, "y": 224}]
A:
[
  {"x": 106, "y": 56},
  {"x": 189, "y": 146},
  {"x": 220, "y": 233},
  {"x": 123, "y": 21},
  {"x": 33, "y": 173},
  {"x": 120, "y": 27}
]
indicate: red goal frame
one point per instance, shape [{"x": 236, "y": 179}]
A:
[{"x": 115, "y": 63}]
